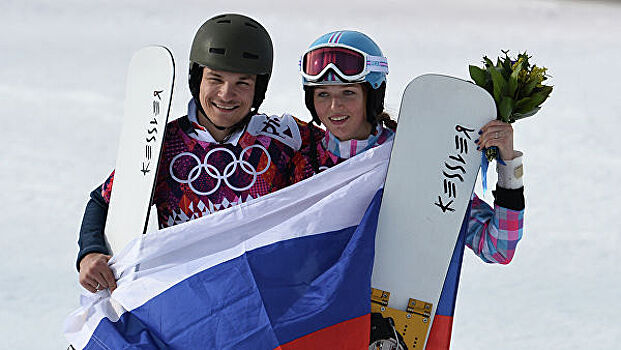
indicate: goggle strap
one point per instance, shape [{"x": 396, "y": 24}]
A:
[{"x": 377, "y": 64}]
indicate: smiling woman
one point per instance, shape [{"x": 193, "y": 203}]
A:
[
  {"x": 344, "y": 76},
  {"x": 341, "y": 109}
]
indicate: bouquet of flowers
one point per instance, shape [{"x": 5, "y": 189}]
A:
[{"x": 516, "y": 85}]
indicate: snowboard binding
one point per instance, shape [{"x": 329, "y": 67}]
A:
[
  {"x": 384, "y": 336},
  {"x": 393, "y": 329}
]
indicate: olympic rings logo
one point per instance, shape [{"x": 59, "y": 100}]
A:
[{"x": 212, "y": 171}]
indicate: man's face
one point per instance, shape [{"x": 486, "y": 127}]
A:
[{"x": 226, "y": 97}]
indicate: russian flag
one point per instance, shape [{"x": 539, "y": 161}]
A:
[{"x": 290, "y": 270}]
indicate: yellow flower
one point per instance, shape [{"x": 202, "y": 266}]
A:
[
  {"x": 538, "y": 74},
  {"x": 515, "y": 64}
]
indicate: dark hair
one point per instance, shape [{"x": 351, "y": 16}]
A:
[{"x": 385, "y": 119}]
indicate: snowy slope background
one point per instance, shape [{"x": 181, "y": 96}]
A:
[{"x": 62, "y": 80}]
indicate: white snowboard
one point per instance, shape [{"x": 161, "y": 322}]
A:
[
  {"x": 430, "y": 180},
  {"x": 147, "y": 104}
]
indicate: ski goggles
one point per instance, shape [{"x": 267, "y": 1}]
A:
[{"x": 348, "y": 63}]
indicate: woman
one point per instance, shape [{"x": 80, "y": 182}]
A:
[{"x": 344, "y": 77}]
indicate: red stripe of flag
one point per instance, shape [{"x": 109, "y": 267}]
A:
[
  {"x": 352, "y": 334},
  {"x": 440, "y": 334}
]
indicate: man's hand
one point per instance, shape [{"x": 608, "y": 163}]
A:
[{"x": 95, "y": 275}]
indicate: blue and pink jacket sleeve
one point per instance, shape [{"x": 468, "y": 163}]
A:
[{"x": 493, "y": 234}]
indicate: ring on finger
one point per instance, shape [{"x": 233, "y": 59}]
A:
[
  {"x": 98, "y": 287},
  {"x": 497, "y": 135}
]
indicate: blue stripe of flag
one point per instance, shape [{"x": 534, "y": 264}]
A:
[{"x": 446, "y": 304}]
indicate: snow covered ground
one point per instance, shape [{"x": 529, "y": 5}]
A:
[{"x": 62, "y": 77}]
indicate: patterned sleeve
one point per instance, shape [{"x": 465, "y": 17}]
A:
[
  {"x": 106, "y": 188},
  {"x": 304, "y": 158},
  {"x": 493, "y": 234}
]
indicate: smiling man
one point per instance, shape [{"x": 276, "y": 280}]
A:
[
  {"x": 226, "y": 99},
  {"x": 220, "y": 154}
]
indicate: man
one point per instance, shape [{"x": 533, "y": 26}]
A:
[{"x": 222, "y": 153}]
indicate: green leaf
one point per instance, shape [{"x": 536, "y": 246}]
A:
[
  {"x": 506, "y": 68},
  {"x": 506, "y": 108},
  {"x": 488, "y": 62},
  {"x": 542, "y": 95},
  {"x": 518, "y": 116},
  {"x": 547, "y": 89},
  {"x": 525, "y": 64},
  {"x": 478, "y": 75},
  {"x": 512, "y": 86},
  {"x": 513, "y": 80},
  {"x": 498, "y": 84},
  {"x": 527, "y": 104},
  {"x": 528, "y": 89}
]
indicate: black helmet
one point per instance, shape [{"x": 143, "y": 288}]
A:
[{"x": 232, "y": 43}]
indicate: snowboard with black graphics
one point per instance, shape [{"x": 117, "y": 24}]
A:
[
  {"x": 431, "y": 176},
  {"x": 147, "y": 104}
]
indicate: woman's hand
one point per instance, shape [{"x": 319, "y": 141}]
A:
[{"x": 499, "y": 134}]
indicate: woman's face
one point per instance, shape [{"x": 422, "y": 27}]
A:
[{"x": 342, "y": 109}]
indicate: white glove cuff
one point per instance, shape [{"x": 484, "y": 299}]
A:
[{"x": 510, "y": 176}]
